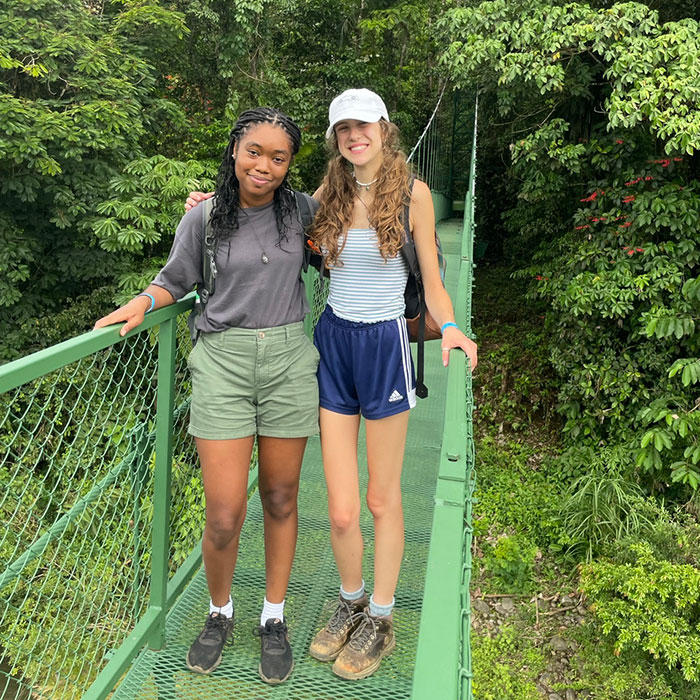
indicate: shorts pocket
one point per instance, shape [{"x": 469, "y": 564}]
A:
[{"x": 191, "y": 358}]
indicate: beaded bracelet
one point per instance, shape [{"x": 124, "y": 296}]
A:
[
  {"x": 151, "y": 297},
  {"x": 449, "y": 324}
]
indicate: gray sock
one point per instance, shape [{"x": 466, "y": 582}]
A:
[
  {"x": 380, "y": 610},
  {"x": 354, "y": 595}
]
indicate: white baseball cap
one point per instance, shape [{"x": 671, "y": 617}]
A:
[{"x": 361, "y": 104}]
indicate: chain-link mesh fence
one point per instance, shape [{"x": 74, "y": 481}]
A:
[{"x": 76, "y": 478}]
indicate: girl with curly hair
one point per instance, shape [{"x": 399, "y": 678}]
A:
[
  {"x": 253, "y": 371},
  {"x": 366, "y": 367}
]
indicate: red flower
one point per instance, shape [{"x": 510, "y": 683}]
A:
[
  {"x": 650, "y": 177},
  {"x": 538, "y": 278},
  {"x": 585, "y": 226},
  {"x": 629, "y": 198},
  {"x": 590, "y": 198},
  {"x": 639, "y": 250},
  {"x": 627, "y": 224},
  {"x": 630, "y": 252},
  {"x": 677, "y": 159}
]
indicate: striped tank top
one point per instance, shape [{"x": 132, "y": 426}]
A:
[{"x": 366, "y": 287}]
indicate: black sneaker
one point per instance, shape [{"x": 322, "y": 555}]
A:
[
  {"x": 205, "y": 653},
  {"x": 276, "y": 662}
]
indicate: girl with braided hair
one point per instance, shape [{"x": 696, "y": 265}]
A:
[{"x": 253, "y": 371}]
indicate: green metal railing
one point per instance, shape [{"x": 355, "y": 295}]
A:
[
  {"x": 104, "y": 507},
  {"x": 443, "y": 660},
  {"x": 90, "y": 430}
]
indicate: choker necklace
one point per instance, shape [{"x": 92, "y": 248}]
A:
[{"x": 366, "y": 185}]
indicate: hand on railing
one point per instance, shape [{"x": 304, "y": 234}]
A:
[
  {"x": 195, "y": 198},
  {"x": 454, "y": 338},
  {"x": 134, "y": 311}
]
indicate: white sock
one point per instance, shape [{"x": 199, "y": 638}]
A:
[
  {"x": 225, "y": 610},
  {"x": 271, "y": 611}
]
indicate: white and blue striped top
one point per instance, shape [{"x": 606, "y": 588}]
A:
[{"x": 366, "y": 287}]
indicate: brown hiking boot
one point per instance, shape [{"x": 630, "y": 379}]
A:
[
  {"x": 372, "y": 640},
  {"x": 332, "y": 638}
]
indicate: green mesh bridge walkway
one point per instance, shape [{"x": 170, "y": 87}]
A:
[{"x": 101, "y": 585}]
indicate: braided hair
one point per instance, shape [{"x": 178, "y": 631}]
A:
[{"x": 224, "y": 216}]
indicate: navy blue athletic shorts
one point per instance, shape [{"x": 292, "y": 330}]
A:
[{"x": 365, "y": 368}]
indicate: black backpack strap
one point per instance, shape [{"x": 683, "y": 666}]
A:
[
  {"x": 208, "y": 255},
  {"x": 312, "y": 255},
  {"x": 409, "y": 252}
]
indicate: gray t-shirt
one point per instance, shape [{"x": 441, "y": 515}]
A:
[{"x": 249, "y": 293}]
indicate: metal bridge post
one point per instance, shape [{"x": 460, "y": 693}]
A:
[{"x": 161, "y": 493}]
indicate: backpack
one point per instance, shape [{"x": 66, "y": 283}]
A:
[
  {"x": 209, "y": 271},
  {"x": 421, "y": 325}
]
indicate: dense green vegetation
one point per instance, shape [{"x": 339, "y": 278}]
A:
[
  {"x": 588, "y": 305},
  {"x": 589, "y": 473},
  {"x": 112, "y": 111}
]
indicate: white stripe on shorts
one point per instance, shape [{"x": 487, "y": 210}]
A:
[{"x": 406, "y": 360}]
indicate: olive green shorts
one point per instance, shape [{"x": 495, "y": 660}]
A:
[{"x": 247, "y": 382}]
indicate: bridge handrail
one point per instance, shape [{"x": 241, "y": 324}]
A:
[
  {"x": 443, "y": 659},
  {"x": 140, "y": 457}
]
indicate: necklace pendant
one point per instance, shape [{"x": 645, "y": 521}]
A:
[{"x": 264, "y": 259}]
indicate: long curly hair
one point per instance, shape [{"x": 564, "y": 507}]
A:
[
  {"x": 391, "y": 195},
  {"x": 224, "y": 216}
]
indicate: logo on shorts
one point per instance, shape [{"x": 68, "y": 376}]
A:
[{"x": 395, "y": 396}]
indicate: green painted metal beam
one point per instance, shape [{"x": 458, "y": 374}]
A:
[
  {"x": 26, "y": 369},
  {"x": 161, "y": 500},
  {"x": 124, "y": 655}
]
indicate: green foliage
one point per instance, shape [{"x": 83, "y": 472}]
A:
[
  {"x": 518, "y": 492},
  {"x": 600, "y": 510},
  {"x": 76, "y": 98},
  {"x": 649, "y": 71},
  {"x": 511, "y": 561},
  {"x": 650, "y": 604},
  {"x": 515, "y": 387},
  {"x": 617, "y": 273},
  {"x": 630, "y": 676},
  {"x": 506, "y": 666},
  {"x": 620, "y": 318}
]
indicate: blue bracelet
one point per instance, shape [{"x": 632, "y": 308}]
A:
[
  {"x": 151, "y": 297},
  {"x": 447, "y": 325}
]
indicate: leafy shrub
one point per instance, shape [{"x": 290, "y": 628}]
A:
[
  {"x": 632, "y": 676},
  {"x": 511, "y": 560},
  {"x": 651, "y": 604},
  {"x": 623, "y": 314},
  {"x": 506, "y": 666}
]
